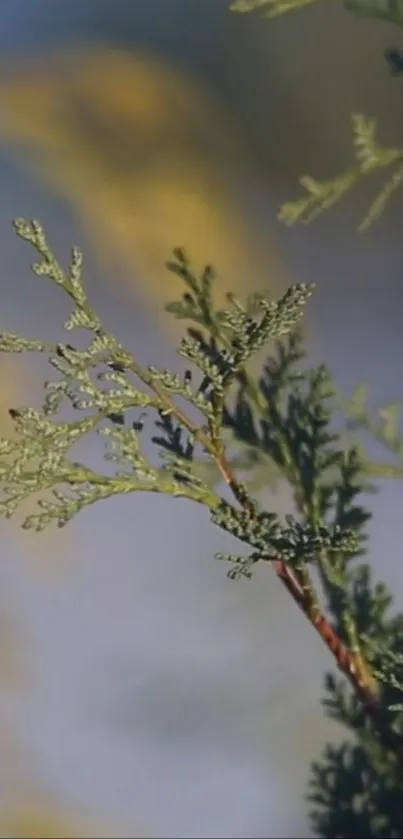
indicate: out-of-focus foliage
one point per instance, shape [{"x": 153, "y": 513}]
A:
[
  {"x": 270, "y": 8},
  {"x": 381, "y": 9},
  {"x": 384, "y": 424},
  {"x": 147, "y": 157},
  {"x": 370, "y": 156}
]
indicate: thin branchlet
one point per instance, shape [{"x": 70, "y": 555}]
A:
[{"x": 280, "y": 423}]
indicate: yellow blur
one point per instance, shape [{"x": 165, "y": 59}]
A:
[{"x": 149, "y": 160}]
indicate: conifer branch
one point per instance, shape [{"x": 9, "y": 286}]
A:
[
  {"x": 324, "y": 194},
  {"x": 299, "y": 443},
  {"x": 356, "y": 789}
]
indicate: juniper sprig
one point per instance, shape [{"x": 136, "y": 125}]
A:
[
  {"x": 209, "y": 426},
  {"x": 356, "y": 790}
]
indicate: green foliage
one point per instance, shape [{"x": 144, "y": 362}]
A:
[
  {"x": 381, "y": 9},
  {"x": 270, "y": 8},
  {"x": 216, "y": 423},
  {"x": 370, "y": 157},
  {"x": 284, "y": 424},
  {"x": 383, "y": 424},
  {"x": 356, "y": 790},
  {"x": 106, "y": 382}
]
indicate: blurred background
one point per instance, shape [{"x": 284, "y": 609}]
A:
[{"x": 142, "y": 693}]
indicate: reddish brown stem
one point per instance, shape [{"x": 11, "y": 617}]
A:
[{"x": 352, "y": 664}]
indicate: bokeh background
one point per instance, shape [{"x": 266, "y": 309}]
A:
[{"x": 142, "y": 693}]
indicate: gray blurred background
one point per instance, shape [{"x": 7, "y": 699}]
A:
[{"x": 144, "y": 693}]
